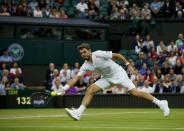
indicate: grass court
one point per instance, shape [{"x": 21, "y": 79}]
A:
[{"x": 94, "y": 119}]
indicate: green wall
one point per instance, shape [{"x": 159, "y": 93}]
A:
[{"x": 41, "y": 52}]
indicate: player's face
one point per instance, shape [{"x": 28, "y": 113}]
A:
[{"x": 85, "y": 54}]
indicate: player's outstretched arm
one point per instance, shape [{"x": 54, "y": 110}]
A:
[
  {"x": 71, "y": 82},
  {"x": 119, "y": 57}
]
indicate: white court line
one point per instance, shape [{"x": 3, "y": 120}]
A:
[
  {"x": 92, "y": 114},
  {"x": 95, "y": 127}
]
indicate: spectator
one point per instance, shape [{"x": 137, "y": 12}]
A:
[
  {"x": 49, "y": 74},
  {"x": 161, "y": 47},
  {"x": 179, "y": 41},
  {"x": 172, "y": 59},
  {"x": 29, "y": 11},
  {"x": 168, "y": 9},
  {"x": 181, "y": 81},
  {"x": 143, "y": 69},
  {"x": 146, "y": 12},
  {"x": 122, "y": 3},
  {"x": 37, "y": 12},
  {"x": 57, "y": 86},
  {"x": 20, "y": 11},
  {"x": 58, "y": 3},
  {"x": 4, "y": 11},
  {"x": 165, "y": 68},
  {"x": 178, "y": 10},
  {"x": 14, "y": 68},
  {"x": 97, "y": 3},
  {"x": 178, "y": 67},
  {"x": 135, "y": 12},
  {"x": 42, "y": 4},
  {"x": 182, "y": 58},
  {"x": 93, "y": 6},
  {"x": 92, "y": 12},
  {"x": 175, "y": 81},
  {"x": 153, "y": 55},
  {"x": 114, "y": 14},
  {"x": 179, "y": 14},
  {"x": 81, "y": 7},
  {"x": 53, "y": 78},
  {"x": 54, "y": 13},
  {"x": 166, "y": 84},
  {"x": 162, "y": 57},
  {"x": 5, "y": 57},
  {"x": 156, "y": 6},
  {"x": 33, "y": 4},
  {"x": 140, "y": 47},
  {"x": 75, "y": 70},
  {"x": 6, "y": 73},
  {"x": 4, "y": 86},
  {"x": 65, "y": 73},
  {"x": 147, "y": 88},
  {"x": 17, "y": 85},
  {"x": 150, "y": 77},
  {"x": 149, "y": 43},
  {"x": 2, "y": 68},
  {"x": 171, "y": 46},
  {"x": 12, "y": 7},
  {"x": 142, "y": 59},
  {"x": 159, "y": 75},
  {"x": 63, "y": 14},
  {"x": 123, "y": 15},
  {"x": 136, "y": 42},
  {"x": 46, "y": 12}
]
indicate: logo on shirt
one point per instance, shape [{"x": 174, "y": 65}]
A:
[{"x": 16, "y": 51}]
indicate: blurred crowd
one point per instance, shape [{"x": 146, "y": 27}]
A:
[
  {"x": 160, "y": 66},
  {"x": 11, "y": 77},
  {"x": 94, "y": 9},
  {"x": 56, "y": 79}
]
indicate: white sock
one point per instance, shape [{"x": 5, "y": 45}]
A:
[
  {"x": 156, "y": 101},
  {"x": 81, "y": 109}
]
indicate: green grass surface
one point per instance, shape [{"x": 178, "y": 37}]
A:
[{"x": 92, "y": 120}]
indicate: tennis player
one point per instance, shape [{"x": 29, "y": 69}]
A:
[{"x": 111, "y": 73}]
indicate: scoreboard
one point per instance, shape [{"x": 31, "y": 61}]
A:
[{"x": 27, "y": 99}]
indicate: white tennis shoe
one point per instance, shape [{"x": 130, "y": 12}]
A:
[
  {"x": 165, "y": 108},
  {"x": 73, "y": 114}
]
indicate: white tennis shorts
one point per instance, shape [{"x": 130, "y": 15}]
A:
[{"x": 118, "y": 78}]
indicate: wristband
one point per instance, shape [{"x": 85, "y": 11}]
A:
[
  {"x": 66, "y": 87},
  {"x": 127, "y": 63}
]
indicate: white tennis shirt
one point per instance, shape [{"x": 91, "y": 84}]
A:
[{"x": 103, "y": 64}]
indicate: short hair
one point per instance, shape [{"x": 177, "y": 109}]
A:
[{"x": 84, "y": 45}]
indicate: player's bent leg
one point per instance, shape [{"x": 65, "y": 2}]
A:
[
  {"x": 163, "y": 104},
  {"x": 77, "y": 113},
  {"x": 92, "y": 89}
]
